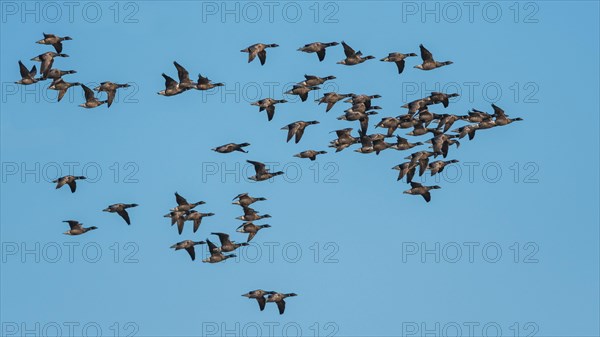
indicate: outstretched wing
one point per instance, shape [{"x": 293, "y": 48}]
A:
[
  {"x": 192, "y": 252},
  {"x": 89, "y": 94},
  {"x": 182, "y": 73},
  {"x": 23, "y": 70},
  {"x": 170, "y": 83},
  {"x": 348, "y": 50},
  {"x": 261, "y": 302},
  {"x": 180, "y": 200},
  {"x": 281, "y": 306},
  {"x": 258, "y": 166},
  {"x": 262, "y": 56},
  {"x": 125, "y": 216},
  {"x": 400, "y": 65},
  {"x": 321, "y": 54},
  {"x": 425, "y": 54}
]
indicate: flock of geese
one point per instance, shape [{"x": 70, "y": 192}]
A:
[{"x": 418, "y": 118}]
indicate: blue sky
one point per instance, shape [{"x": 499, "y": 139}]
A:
[{"x": 344, "y": 214}]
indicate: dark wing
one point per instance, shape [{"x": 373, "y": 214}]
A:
[
  {"x": 111, "y": 96},
  {"x": 74, "y": 224},
  {"x": 258, "y": 166},
  {"x": 212, "y": 248},
  {"x": 423, "y": 165},
  {"x": 23, "y": 70},
  {"x": 410, "y": 175},
  {"x": 72, "y": 185},
  {"x": 58, "y": 47},
  {"x": 203, "y": 80},
  {"x": 180, "y": 222},
  {"x": 180, "y": 200},
  {"x": 321, "y": 54},
  {"x": 239, "y": 196},
  {"x": 250, "y": 236},
  {"x": 182, "y": 73},
  {"x": 281, "y": 306},
  {"x": 299, "y": 133},
  {"x": 33, "y": 71},
  {"x": 499, "y": 112},
  {"x": 89, "y": 94},
  {"x": 261, "y": 302},
  {"x": 425, "y": 54},
  {"x": 445, "y": 147},
  {"x": 329, "y": 106},
  {"x": 414, "y": 184},
  {"x": 400, "y": 65},
  {"x": 197, "y": 224},
  {"x": 224, "y": 238},
  {"x": 125, "y": 216},
  {"x": 262, "y": 56},
  {"x": 192, "y": 252},
  {"x": 445, "y": 101},
  {"x": 291, "y": 131},
  {"x": 427, "y": 196},
  {"x": 61, "y": 94},
  {"x": 303, "y": 96},
  {"x": 270, "y": 112},
  {"x": 348, "y": 50},
  {"x": 170, "y": 83}
]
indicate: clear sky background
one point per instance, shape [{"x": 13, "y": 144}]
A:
[{"x": 354, "y": 210}]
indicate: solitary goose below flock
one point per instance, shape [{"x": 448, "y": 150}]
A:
[{"x": 419, "y": 189}]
